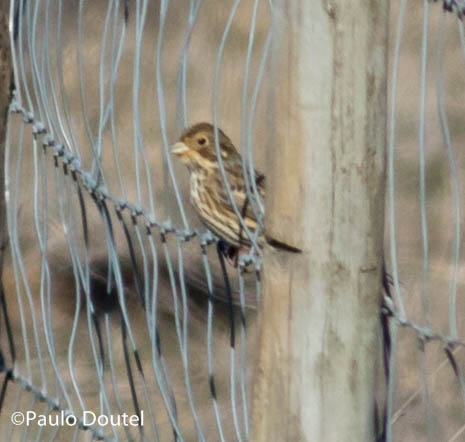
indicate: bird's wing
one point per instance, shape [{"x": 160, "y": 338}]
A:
[{"x": 241, "y": 198}]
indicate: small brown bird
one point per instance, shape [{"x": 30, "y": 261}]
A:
[{"x": 208, "y": 194}]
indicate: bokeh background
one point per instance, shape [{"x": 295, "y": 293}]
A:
[
  {"x": 438, "y": 409},
  {"x": 434, "y": 413}
]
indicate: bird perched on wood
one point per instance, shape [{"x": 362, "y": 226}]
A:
[{"x": 208, "y": 193}]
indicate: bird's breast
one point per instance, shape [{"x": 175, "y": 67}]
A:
[
  {"x": 198, "y": 187},
  {"x": 194, "y": 184}
]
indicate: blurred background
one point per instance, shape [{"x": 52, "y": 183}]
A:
[
  {"x": 428, "y": 401},
  {"x": 112, "y": 83}
]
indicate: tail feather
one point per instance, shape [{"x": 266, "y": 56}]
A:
[{"x": 282, "y": 246}]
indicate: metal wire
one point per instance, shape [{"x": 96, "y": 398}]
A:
[
  {"x": 72, "y": 172},
  {"x": 73, "y": 195}
]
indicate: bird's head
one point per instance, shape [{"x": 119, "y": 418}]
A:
[{"x": 196, "y": 147}]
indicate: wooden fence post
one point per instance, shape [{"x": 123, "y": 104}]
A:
[{"x": 319, "y": 321}]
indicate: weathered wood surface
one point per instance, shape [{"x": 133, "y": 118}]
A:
[{"x": 319, "y": 321}]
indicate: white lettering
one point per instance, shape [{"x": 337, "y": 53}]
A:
[
  {"x": 89, "y": 418},
  {"x": 30, "y": 416}
]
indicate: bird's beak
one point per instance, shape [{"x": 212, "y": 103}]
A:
[{"x": 179, "y": 149}]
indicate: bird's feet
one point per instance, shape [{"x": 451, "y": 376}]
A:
[{"x": 235, "y": 256}]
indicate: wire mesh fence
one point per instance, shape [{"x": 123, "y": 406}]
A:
[
  {"x": 424, "y": 199},
  {"x": 118, "y": 301},
  {"x": 125, "y": 307}
]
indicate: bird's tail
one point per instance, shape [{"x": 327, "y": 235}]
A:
[{"x": 282, "y": 246}]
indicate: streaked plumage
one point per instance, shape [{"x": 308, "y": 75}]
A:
[{"x": 208, "y": 194}]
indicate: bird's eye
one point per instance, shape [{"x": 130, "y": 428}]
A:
[{"x": 202, "y": 141}]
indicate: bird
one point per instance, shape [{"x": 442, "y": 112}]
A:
[{"x": 208, "y": 193}]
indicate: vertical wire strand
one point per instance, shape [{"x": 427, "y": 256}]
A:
[
  {"x": 16, "y": 401},
  {"x": 182, "y": 115},
  {"x": 82, "y": 83},
  {"x": 139, "y": 146},
  {"x": 454, "y": 178},
  {"x": 114, "y": 382},
  {"x": 116, "y": 55},
  {"x": 422, "y": 166},
  {"x": 243, "y": 355},
  {"x": 391, "y": 380},
  {"x": 246, "y": 130},
  {"x": 253, "y": 105},
  {"x": 97, "y": 164},
  {"x": 44, "y": 292},
  {"x": 210, "y": 359},
  {"x": 426, "y": 393},
  {"x": 179, "y": 334},
  {"x": 163, "y": 382},
  {"x": 13, "y": 48},
  {"x": 146, "y": 307},
  {"x": 168, "y": 167},
  {"x": 423, "y": 219},
  {"x": 11, "y": 209},
  {"x": 58, "y": 91},
  {"x": 19, "y": 262},
  {"x": 38, "y": 86},
  {"x": 216, "y": 118},
  {"x": 21, "y": 57},
  {"x": 62, "y": 207},
  {"x": 390, "y": 161},
  {"x": 184, "y": 347}
]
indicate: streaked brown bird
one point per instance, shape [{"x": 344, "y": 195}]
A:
[{"x": 208, "y": 194}]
